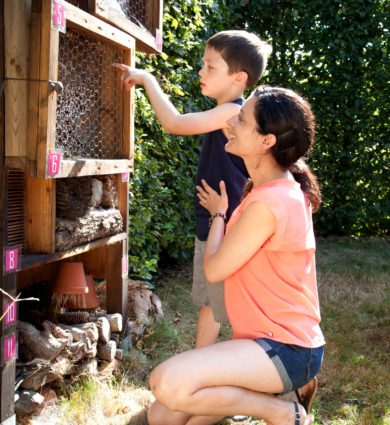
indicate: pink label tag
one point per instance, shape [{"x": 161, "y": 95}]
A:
[
  {"x": 159, "y": 40},
  {"x": 125, "y": 177},
  {"x": 125, "y": 266},
  {"x": 58, "y": 16},
  {"x": 53, "y": 163},
  {"x": 9, "y": 347},
  {"x": 11, "y": 260},
  {"x": 10, "y": 316}
]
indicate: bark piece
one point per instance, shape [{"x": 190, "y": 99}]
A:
[
  {"x": 97, "y": 223},
  {"x": 41, "y": 344}
]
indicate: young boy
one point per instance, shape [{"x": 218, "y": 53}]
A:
[{"x": 233, "y": 61}]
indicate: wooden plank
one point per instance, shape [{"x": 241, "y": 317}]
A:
[
  {"x": 77, "y": 18},
  {"x": 48, "y": 70},
  {"x": 7, "y": 283},
  {"x": 123, "y": 192},
  {"x": 90, "y": 167},
  {"x": 35, "y": 260},
  {"x": 145, "y": 40},
  {"x": 16, "y": 36},
  {"x": 41, "y": 215},
  {"x": 128, "y": 113},
  {"x": 33, "y": 100},
  {"x": 7, "y": 374},
  {"x": 110, "y": 104},
  {"x": 117, "y": 285}
]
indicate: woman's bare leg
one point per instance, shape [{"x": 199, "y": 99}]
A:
[{"x": 232, "y": 377}]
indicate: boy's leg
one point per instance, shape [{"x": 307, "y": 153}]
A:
[{"x": 210, "y": 300}]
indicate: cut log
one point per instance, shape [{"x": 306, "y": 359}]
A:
[
  {"x": 41, "y": 344},
  {"x": 44, "y": 373},
  {"x": 107, "y": 351},
  {"x": 90, "y": 329},
  {"x": 77, "y": 334},
  {"x": 104, "y": 329},
  {"x": 115, "y": 321},
  {"x": 97, "y": 223},
  {"x": 89, "y": 367}
]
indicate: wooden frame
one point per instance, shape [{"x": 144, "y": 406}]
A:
[
  {"x": 147, "y": 41},
  {"x": 43, "y": 101},
  {"x": 41, "y": 220}
]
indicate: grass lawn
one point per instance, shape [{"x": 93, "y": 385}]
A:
[{"x": 354, "y": 383}]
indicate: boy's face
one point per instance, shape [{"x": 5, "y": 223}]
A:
[{"x": 215, "y": 79}]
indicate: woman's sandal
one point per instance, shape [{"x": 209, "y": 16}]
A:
[
  {"x": 297, "y": 414},
  {"x": 307, "y": 393},
  {"x": 308, "y": 420}
]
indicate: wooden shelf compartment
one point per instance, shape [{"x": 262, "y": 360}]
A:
[
  {"x": 140, "y": 18},
  {"x": 42, "y": 221},
  {"x": 90, "y": 121},
  {"x": 103, "y": 259}
]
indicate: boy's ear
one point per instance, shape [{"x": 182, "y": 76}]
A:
[{"x": 241, "y": 77}]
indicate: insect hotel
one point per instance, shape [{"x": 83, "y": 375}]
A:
[{"x": 66, "y": 137}]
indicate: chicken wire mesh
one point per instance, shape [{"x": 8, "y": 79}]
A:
[
  {"x": 89, "y": 109},
  {"x": 139, "y": 12}
]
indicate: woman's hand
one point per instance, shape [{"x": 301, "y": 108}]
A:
[
  {"x": 131, "y": 76},
  {"x": 211, "y": 200}
]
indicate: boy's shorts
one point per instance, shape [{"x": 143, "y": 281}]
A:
[{"x": 203, "y": 293}]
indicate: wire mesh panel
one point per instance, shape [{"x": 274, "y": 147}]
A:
[
  {"x": 140, "y": 18},
  {"x": 138, "y": 11},
  {"x": 89, "y": 109}
]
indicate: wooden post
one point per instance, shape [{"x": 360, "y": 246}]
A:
[
  {"x": 116, "y": 278},
  {"x": 7, "y": 282},
  {"x": 16, "y": 37}
]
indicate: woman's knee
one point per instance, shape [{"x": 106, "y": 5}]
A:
[
  {"x": 170, "y": 387},
  {"x": 163, "y": 384}
]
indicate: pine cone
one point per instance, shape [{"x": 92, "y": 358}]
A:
[{"x": 74, "y": 317}]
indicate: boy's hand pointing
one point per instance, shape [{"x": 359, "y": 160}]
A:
[{"x": 130, "y": 76}]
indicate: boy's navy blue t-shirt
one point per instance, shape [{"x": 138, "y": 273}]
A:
[{"x": 215, "y": 164}]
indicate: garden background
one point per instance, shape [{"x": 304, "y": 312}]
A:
[{"x": 334, "y": 53}]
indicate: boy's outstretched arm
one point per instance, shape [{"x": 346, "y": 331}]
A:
[{"x": 170, "y": 119}]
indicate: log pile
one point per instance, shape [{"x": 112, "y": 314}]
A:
[
  {"x": 63, "y": 349},
  {"x": 86, "y": 209}
]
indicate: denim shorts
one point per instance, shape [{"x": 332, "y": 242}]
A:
[{"x": 296, "y": 365}]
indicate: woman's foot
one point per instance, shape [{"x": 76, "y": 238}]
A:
[{"x": 301, "y": 417}]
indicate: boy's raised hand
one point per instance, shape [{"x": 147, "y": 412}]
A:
[{"x": 130, "y": 76}]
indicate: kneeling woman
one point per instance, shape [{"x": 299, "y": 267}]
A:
[{"x": 267, "y": 259}]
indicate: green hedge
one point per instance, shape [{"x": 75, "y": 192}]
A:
[
  {"x": 336, "y": 54},
  {"x": 333, "y": 53}
]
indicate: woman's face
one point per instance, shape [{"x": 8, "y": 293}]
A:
[{"x": 243, "y": 134}]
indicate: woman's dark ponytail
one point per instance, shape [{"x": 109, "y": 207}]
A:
[{"x": 308, "y": 181}]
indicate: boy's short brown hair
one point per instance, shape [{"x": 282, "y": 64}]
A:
[{"x": 242, "y": 51}]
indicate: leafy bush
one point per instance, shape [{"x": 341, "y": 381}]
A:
[{"x": 336, "y": 54}]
